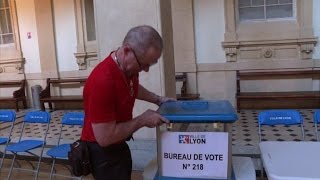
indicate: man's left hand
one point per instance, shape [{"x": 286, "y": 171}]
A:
[{"x": 163, "y": 99}]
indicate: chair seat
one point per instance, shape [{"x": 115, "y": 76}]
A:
[
  {"x": 25, "y": 145},
  {"x": 60, "y": 151},
  {"x": 3, "y": 140}
]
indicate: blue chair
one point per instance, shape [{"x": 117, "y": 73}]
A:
[
  {"x": 6, "y": 116},
  {"x": 279, "y": 117},
  {"x": 25, "y": 146},
  {"x": 316, "y": 118},
  {"x": 61, "y": 150}
]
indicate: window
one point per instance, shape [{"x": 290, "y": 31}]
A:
[
  {"x": 6, "y": 32},
  {"x": 268, "y": 30},
  {"x": 11, "y": 56},
  {"x": 86, "y": 33},
  {"x": 90, "y": 23},
  {"x": 265, "y": 9}
]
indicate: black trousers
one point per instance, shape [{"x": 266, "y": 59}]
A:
[{"x": 110, "y": 163}]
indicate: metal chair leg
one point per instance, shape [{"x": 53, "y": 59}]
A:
[
  {"x": 52, "y": 169},
  {"x": 38, "y": 167},
  {"x": 2, "y": 159},
  {"x": 11, "y": 168},
  {"x": 261, "y": 171}
]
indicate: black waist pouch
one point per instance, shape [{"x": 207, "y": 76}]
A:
[{"x": 79, "y": 158}]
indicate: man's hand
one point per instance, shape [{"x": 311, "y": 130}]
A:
[
  {"x": 163, "y": 99},
  {"x": 152, "y": 119}
]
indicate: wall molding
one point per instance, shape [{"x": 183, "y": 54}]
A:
[
  {"x": 269, "y": 49},
  {"x": 12, "y": 66},
  {"x": 281, "y": 39},
  {"x": 83, "y": 59}
]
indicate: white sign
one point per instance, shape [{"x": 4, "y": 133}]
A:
[{"x": 194, "y": 154}]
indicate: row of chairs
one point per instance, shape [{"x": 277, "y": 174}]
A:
[
  {"x": 287, "y": 118},
  {"x": 29, "y": 145}
]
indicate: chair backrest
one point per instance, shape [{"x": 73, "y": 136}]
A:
[
  {"x": 37, "y": 117},
  {"x": 280, "y": 117},
  {"x": 71, "y": 119},
  {"x": 41, "y": 117},
  {"x": 7, "y": 116},
  {"x": 316, "y": 118}
]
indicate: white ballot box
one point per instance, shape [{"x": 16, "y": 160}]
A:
[{"x": 195, "y": 155}]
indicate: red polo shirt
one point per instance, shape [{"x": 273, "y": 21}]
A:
[{"x": 107, "y": 97}]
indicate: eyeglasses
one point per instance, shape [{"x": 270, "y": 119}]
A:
[
  {"x": 134, "y": 53},
  {"x": 142, "y": 66}
]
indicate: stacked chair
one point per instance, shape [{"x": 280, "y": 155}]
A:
[
  {"x": 61, "y": 150},
  {"x": 6, "y": 117},
  {"x": 316, "y": 118},
  {"x": 279, "y": 117},
  {"x": 27, "y": 145}
]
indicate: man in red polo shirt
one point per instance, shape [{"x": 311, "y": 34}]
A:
[{"x": 109, "y": 96}]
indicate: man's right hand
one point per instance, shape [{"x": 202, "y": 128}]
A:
[{"x": 151, "y": 119}]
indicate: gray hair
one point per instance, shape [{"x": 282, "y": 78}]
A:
[{"x": 141, "y": 38}]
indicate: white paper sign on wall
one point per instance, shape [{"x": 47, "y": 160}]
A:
[{"x": 194, "y": 154}]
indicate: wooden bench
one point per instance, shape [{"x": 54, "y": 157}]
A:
[
  {"x": 290, "y": 99},
  {"x": 17, "y": 95},
  {"x": 46, "y": 97},
  {"x": 183, "y": 92}
]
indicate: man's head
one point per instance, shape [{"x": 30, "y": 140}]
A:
[{"x": 145, "y": 46}]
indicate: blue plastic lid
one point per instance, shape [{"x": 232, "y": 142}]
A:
[{"x": 198, "y": 111}]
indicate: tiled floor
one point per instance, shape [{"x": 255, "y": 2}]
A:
[
  {"x": 245, "y": 130},
  {"x": 35, "y": 130},
  {"x": 244, "y": 133}
]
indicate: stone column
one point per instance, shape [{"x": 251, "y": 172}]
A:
[{"x": 46, "y": 40}]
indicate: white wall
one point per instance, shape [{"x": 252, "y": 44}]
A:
[
  {"x": 116, "y": 17},
  {"x": 65, "y": 34},
  {"x": 111, "y": 26},
  {"x": 316, "y": 27},
  {"x": 27, "y": 23},
  {"x": 209, "y": 31}
]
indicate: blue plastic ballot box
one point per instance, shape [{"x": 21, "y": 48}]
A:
[{"x": 195, "y": 155}]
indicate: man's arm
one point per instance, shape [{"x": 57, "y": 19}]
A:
[
  {"x": 146, "y": 95},
  {"x": 112, "y": 132}
]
